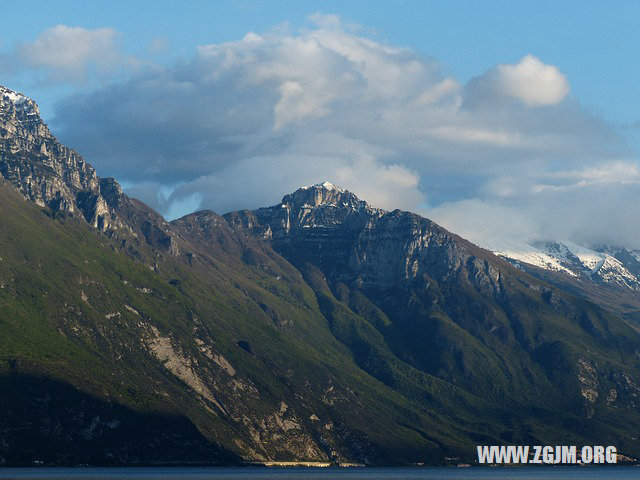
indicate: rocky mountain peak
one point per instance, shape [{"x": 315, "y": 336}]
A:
[
  {"x": 20, "y": 116},
  {"x": 45, "y": 171},
  {"x": 356, "y": 243},
  {"x": 10, "y": 98},
  {"x": 322, "y": 204},
  {"x": 319, "y": 206},
  {"x": 321, "y": 194}
]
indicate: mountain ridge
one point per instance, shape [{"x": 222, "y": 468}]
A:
[{"x": 318, "y": 329}]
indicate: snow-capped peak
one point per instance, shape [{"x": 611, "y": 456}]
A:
[
  {"x": 14, "y": 97},
  {"x": 325, "y": 185}
]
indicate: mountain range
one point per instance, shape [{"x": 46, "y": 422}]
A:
[{"x": 319, "y": 329}]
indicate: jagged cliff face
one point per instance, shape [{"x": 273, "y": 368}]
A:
[
  {"x": 319, "y": 222},
  {"x": 45, "y": 171}
]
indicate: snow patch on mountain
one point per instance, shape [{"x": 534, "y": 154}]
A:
[
  {"x": 611, "y": 270},
  {"x": 14, "y": 97},
  {"x": 325, "y": 185}
]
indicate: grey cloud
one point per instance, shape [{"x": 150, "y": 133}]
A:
[{"x": 150, "y": 193}]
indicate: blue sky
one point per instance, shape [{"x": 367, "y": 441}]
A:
[
  {"x": 495, "y": 118},
  {"x": 594, "y": 43}
]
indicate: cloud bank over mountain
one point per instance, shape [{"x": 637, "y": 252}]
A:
[{"x": 238, "y": 124}]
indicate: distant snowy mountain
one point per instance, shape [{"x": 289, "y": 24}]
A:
[{"x": 601, "y": 265}]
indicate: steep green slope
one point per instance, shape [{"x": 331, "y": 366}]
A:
[{"x": 62, "y": 323}]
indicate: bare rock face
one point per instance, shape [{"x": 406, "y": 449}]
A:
[
  {"x": 47, "y": 172},
  {"x": 319, "y": 223}
]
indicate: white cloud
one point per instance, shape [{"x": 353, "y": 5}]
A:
[
  {"x": 611, "y": 172},
  {"x": 326, "y": 20},
  {"x": 482, "y": 221},
  {"x": 245, "y": 122},
  {"x": 529, "y": 81},
  {"x": 69, "y": 54},
  {"x": 532, "y": 81}
]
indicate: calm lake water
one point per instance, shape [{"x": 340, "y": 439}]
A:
[{"x": 522, "y": 473}]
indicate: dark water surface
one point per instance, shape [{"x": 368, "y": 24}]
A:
[{"x": 521, "y": 473}]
